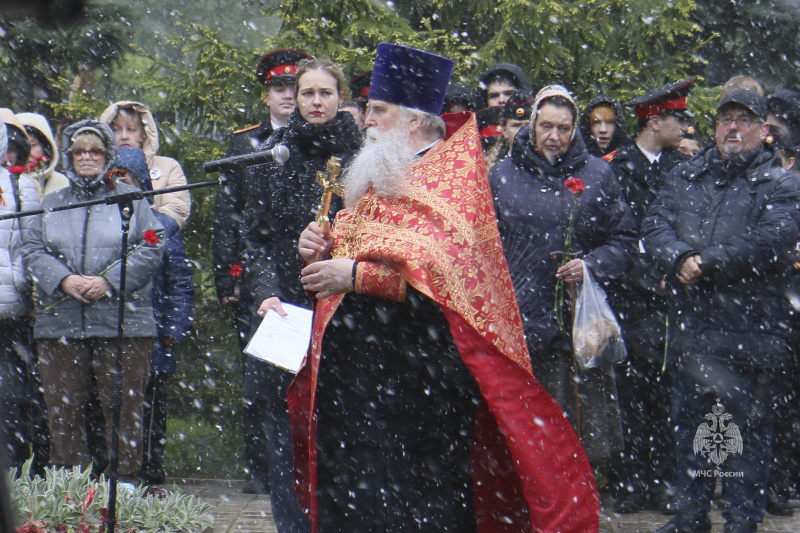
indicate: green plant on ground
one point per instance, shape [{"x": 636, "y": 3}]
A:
[
  {"x": 70, "y": 500},
  {"x": 199, "y": 449}
]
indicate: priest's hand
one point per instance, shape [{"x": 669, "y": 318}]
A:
[
  {"x": 270, "y": 304},
  {"x": 327, "y": 278},
  {"x": 314, "y": 243}
]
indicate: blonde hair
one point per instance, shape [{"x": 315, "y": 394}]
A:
[
  {"x": 330, "y": 67},
  {"x": 129, "y": 112},
  {"x": 87, "y": 140}
]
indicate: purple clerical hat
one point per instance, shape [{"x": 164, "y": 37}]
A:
[{"x": 410, "y": 77}]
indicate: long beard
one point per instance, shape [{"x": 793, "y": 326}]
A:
[{"x": 381, "y": 163}]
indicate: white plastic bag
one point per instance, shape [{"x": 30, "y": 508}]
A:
[{"x": 596, "y": 334}]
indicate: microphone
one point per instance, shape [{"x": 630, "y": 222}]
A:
[{"x": 279, "y": 154}]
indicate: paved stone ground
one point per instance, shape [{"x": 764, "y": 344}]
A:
[{"x": 235, "y": 512}]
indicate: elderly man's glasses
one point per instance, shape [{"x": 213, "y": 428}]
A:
[
  {"x": 745, "y": 121},
  {"x": 92, "y": 153}
]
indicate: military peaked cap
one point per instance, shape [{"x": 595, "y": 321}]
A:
[
  {"x": 667, "y": 98},
  {"x": 279, "y": 66},
  {"x": 489, "y": 122},
  {"x": 519, "y": 106},
  {"x": 359, "y": 86}
]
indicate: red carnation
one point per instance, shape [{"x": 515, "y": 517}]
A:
[
  {"x": 17, "y": 169},
  {"x": 236, "y": 271},
  {"x": 150, "y": 237},
  {"x": 574, "y": 185}
]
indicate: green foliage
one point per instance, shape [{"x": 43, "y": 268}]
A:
[
  {"x": 348, "y": 32},
  {"x": 34, "y": 53},
  {"x": 594, "y": 46},
  {"x": 760, "y": 39},
  {"x": 196, "y": 448},
  {"x": 72, "y": 498}
]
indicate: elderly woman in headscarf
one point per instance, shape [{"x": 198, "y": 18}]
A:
[
  {"x": 74, "y": 257},
  {"x": 533, "y": 206}
]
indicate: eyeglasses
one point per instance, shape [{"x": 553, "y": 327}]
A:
[
  {"x": 93, "y": 153},
  {"x": 744, "y": 121}
]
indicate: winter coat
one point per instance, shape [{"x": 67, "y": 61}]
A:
[
  {"x": 172, "y": 285},
  {"x": 533, "y": 211},
  {"x": 164, "y": 171},
  {"x": 634, "y": 296},
  {"x": 87, "y": 241},
  {"x": 227, "y": 234},
  {"x": 741, "y": 216},
  {"x": 620, "y": 136},
  {"x": 172, "y": 295},
  {"x": 281, "y": 201},
  {"x": 533, "y": 215},
  {"x": 18, "y": 194},
  {"x": 48, "y": 179}
]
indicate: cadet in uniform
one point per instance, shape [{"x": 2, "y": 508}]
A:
[{"x": 641, "y": 476}]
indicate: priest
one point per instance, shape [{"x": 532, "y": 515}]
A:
[{"x": 416, "y": 408}]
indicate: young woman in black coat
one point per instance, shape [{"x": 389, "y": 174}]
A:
[{"x": 281, "y": 201}]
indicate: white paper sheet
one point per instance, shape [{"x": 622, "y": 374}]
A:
[{"x": 283, "y": 341}]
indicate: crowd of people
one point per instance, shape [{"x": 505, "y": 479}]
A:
[
  {"x": 440, "y": 391},
  {"x": 60, "y": 360}
]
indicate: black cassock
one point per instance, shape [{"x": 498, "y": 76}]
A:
[{"x": 395, "y": 407}]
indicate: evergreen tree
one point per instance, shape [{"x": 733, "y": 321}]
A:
[
  {"x": 759, "y": 39},
  {"x": 38, "y": 56}
]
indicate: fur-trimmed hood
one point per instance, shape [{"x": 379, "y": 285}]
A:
[{"x": 66, "y": 156}]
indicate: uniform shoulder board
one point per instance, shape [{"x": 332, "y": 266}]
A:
[
  {"x": 609, "y": 157},
  {"x": 248, "y": 128}
]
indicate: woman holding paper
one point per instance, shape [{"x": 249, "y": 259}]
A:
[{"x": 281, "y": 202}]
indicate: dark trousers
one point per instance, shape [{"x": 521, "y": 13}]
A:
[
  {"x": 394, "y": 489},
  {"x": 265, "y": 387},
  {"x": 785, "y": 470},
  {"x": 21, "y": 402},
  {"x": 647, "y": 463},
  {"x": 255, "y": 440},
  {"x": 701, "y": 385},
  {"x": 155, "y": 426}
]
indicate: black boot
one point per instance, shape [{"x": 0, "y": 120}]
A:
[
  {"x": 675, "y": 526},
  {"x": 629, "y": 503}
]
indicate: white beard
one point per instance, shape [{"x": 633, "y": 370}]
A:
[{"x": 381, "y": 163}]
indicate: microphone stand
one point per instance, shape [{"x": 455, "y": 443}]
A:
[{"x": 126, "y": 213}]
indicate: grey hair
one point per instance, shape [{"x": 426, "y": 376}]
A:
[{"x": 433, "y": 125}]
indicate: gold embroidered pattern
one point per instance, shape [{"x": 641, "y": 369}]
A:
[{"x": 441, "y": 237}]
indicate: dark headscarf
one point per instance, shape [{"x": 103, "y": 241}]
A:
[{"x": 619, "y": 137}]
